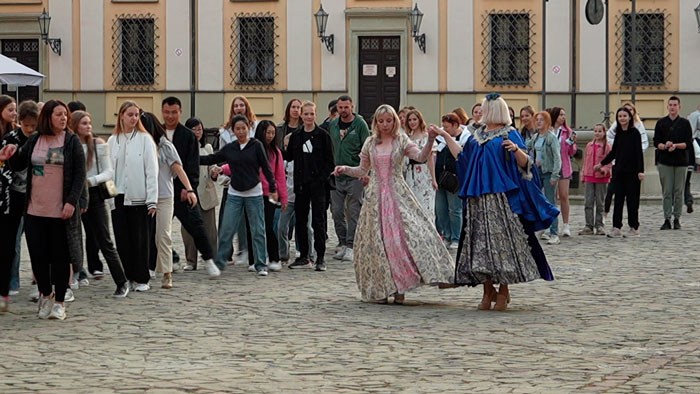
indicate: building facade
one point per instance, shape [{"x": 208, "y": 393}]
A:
[{"x": 536, "y": 52}]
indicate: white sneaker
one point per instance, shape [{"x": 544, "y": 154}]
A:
[
  {"x": 45, "y": 305},
  {"x": 152, "y": 273},
  {"x": 142, "y": 287},
  {"x": 4, "y": 304},
  {"x": 262, "y": 273},
  {"x": 454, "y": 245},
  {"x": 69, "y": 297},
  {"x": 84, "y": 282},
  {"x": 13, "y": 293},
  {"x": 251, "y": 268},
  {"x": 58, "y": 312},
  {"x": 242, "y": 258},
  {"x": 34, "y": 294},
  {"x": 553, "y": 240},
  {"x": 275, "y": 266},
  {"x": 341, "y": 253},
  {"x": 212, "y": 270},
  {"x": 544, "y": 236},
  {"x": 74, "y": 283},
  {"x": 566, "y": 232},
  {"x": 348, "y": 255}
]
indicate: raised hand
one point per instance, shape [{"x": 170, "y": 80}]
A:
[{"x": 7, "y": 152}]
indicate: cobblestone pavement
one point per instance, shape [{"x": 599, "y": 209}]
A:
[{"x": 621, "y": 318}]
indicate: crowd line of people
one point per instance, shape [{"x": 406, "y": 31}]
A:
[{"x": 401, "y": 193}]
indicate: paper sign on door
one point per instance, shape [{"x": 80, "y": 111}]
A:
[
  {"x": 369, "y": 70},
  {"x": 391, "y": 71}
]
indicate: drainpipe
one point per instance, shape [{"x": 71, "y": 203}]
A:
[
  {"x": 633, "y": 51},
  {"x": 544, "y": 54},
  {"x": 607, "y": 66},
  {"x": 193, "y": 57},
  {"x": 574, "y": 84}
]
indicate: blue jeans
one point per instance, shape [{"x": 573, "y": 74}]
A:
[
  {"x": 286, "y": 221},
  {"x": 448, "y": 212},
  {"x": 233, "y": 216},
  {"x": 550, "y": 191},
  {"x": 14, "y": 274}
]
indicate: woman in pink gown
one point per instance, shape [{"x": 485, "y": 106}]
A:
[{"x": 397, "y": 247}]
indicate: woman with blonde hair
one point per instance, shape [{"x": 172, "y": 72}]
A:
[
  {"x": 397, "y": 247},
  {"x": 134, "y": 158},
  {"x": 420, "y": 177},
  {"x": 504, "y": 206},
  {"x": 95, "y": 221}
]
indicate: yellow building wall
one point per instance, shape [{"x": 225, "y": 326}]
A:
[
  {"x": 378, "y": 3},
  {"x": 23, "y": 6}
]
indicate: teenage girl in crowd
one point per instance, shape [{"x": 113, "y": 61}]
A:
[
  {"x": 239, "y": 106},
  {"x": 596, "y": 181},
  {"x": 8, "y": 114},
  {"x": 545, "y": 150},
  {"x": 134, "y": 158},
  {"x": 567, "y": 140},
  {"x": 629, "y": 172},
  {"x": 245, "y": 193},
  {"x": 95, "y": 220},
  {"x": 207, "y": 199},
  {"x": 169, "y": 166},
  {"x": 55, "y": 186},
  {"x": 290, "y": 122},
  {"x": 527, "y": 124},
  {"x": 476, "y": 114},
  {"x": 420, "y": 177},
  {"x": 13, "y": 187}
]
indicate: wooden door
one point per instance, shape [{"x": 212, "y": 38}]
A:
[
  {"x": 380, "y": 73},
  {"x": 27, "y": 53}
]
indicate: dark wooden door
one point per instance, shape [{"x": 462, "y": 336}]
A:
[
  {"x": 27, "y": 53},
  {"x": 380, "y": 73}
]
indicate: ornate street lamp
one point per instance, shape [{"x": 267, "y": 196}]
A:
[
  {"x": 44, "y": 23},
  {"x": 697, "y": 16},
  {"x": 321, "y": 21},
  {"x": 416, "y": 18}
]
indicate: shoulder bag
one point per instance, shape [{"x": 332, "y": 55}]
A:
[{"x": 107, "y": 189}]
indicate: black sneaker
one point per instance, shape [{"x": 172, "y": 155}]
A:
[
  {"x": 666, "y": 225},
  {"x": 121, "y": 291},
  {"x": 321, "y": 266},
  {"x": 690, "y": 208},
  {"x": 676, "y": 224},
  {"x": 300, "y": 263}
]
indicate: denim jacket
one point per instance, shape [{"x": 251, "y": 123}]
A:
[{"x": 551, "y": 162}]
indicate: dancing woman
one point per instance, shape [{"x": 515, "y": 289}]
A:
[
  {"x": 504, "y": 206},
  {"x": 397, "y": 246}
]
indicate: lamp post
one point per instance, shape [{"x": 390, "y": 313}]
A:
[
  {"x": 44, "y": 24},
  {"x": 321, "y": 21},
  {"x": 697, "y": 16},
  {"x": 416, "y": 19}
]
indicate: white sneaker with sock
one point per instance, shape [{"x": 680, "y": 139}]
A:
[{"x": 212, "y": 269}]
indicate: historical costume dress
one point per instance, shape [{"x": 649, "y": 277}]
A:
[
  {"x": 419, "y": 179},
  {"x": 503, "y": 207},
  {"x": 397, "y": 247}
]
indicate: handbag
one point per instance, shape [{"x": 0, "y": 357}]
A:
[
  {"x": 107, "y": 189},
  {"x": 448, "y": 181}
]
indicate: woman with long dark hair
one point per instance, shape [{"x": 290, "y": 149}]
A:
[
  {"x": 55, "y": 185},
  {"x": 567, "y": 140},
  {"x": 95, "y": 220},
  {"x": 290, "y": 122},
  {"x": 8, "y": 114}
]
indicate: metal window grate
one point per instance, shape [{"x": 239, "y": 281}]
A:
[
  {"x": 652, "y": 58},
  {"x": 507, "y": 39},
  {"x": 254, "y": 58},
  {"x": 134, "y": 51}
]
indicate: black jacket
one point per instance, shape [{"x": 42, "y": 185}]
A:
[
  {"x": 74, "y": 185},
  {"x": 187, "y": 148},
  {"x": 245, "y": 164},
  {"x": 314, "y": 168},
  {"x": 627, "y": 153},
  {"x": 677, "y": 131}
]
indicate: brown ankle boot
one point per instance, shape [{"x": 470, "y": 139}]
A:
[
  {"x": 486, "y": 301},
  {"x": 502, "y": 301}
]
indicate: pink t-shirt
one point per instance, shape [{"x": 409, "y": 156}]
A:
[{"x": 47, "y": 177}]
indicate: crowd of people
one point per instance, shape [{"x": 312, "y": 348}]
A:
[{"x": 401, "y": 193}]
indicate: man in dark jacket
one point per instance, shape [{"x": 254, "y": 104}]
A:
[
  {"x": 673, "y": 136},
  {"x": 188, "y": 149}
]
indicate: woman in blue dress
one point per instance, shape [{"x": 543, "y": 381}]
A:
[{"x": 503, "y": 207}]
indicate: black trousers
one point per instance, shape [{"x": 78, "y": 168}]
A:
[
  {"x": 191, "y": 220},
  {"x": 627, "y": 187},
  {"x": 132, "y": 234},
  {"x": 610, "y": 192},
  {"x": 273, "y": 250},
  {"x": 9, "y": 225},
  {"x": 48, "y": 250},
  {"x": 311, "y": 196},
  {"x": 95, "y": 223},
  {"x": 688, "y": 195}
]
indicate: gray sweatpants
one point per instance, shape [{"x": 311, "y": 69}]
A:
[
  {"x": 594, "y": 199},
  {"x": 346, "y": 203},
  {"x": 672, "y": 184}
]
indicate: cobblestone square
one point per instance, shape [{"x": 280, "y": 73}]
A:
[{"x": 620, "y": 318}]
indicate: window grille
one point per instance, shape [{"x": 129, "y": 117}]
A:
[
  {"x": 134, "y": 51},
  {"x": 652, "y": 42},
  {"x": 507, "y": 42},
  {"x": 254, "y": 45}
]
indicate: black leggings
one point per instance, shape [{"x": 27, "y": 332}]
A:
[
  {"x": 96, "y": 224},
  {"x": 8, "y": 236},
  {"x": 48, "y": 250},
  {"x": 132, "y": 234}
]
